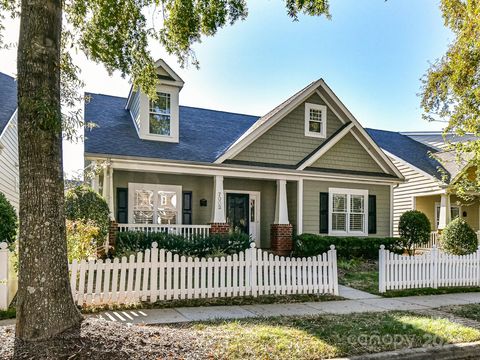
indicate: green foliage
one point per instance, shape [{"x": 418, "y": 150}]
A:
[
  {"x": 347, "y": 247},
  {"x": 451, "y": 86},
  {"x": 8, "y": 221},
  {"x": 83, "y": 203},
  {"x": 458, "y": 238},
  {"x": 81, "y": 240},
  {"x": 414, "y": 228},
  {"x": 132, "y": 241}
]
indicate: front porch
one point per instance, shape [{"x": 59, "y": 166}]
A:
[
  {"x": 435, "y": 207},
  {"x": 200, "y": 205}
]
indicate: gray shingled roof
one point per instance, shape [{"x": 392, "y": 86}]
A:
[
  {"x": 204, "y": 134},
  {"x": 409, "y": 150},
  {"x": 8, "y": 99}
]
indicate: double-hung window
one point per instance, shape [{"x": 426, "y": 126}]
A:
[
  {"x": 160, "y": 114},
  {"x": 155, "y": 204},
  {"x": 348, "y": 210},
  {"x": 315, "y": 120}
]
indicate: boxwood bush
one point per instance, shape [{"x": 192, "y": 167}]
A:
[
  {"x": 8, "y": 221},
  {"x": 347, "y": 247},
  {"x": 129, "y": 242},
  {"x": 458, "y": 238}
]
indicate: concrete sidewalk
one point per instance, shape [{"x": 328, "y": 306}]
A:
[{"x": 366, "y": 303}]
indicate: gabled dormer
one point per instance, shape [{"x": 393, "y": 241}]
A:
[{"x": 158, "y": 119}]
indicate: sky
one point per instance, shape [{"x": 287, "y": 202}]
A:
[{"x": 372, "y": 53}]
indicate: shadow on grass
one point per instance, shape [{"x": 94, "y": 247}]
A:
[{"x": 314, "y": 337}]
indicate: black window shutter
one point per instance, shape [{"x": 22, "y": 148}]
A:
[
  {"x": 324, "y": 213},
  {"x": 372, "y": 214},
  {"x": 187, "y": 208},
  {"x": 122, "y": 205}
]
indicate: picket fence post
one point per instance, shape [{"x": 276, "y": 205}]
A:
[
  {"x": 333, "y": 267},
  {"x": 4, "y": 261},
  {"x": 381, "y": 269},
  {"x": 477, "y": 260},
  {"x": 252, "y": 268},
  {"x": 435, "y": 266}
]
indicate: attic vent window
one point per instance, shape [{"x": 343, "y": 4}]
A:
[
  {"x": 160, "y": 114},
  {"x": 315, "y": 120}
]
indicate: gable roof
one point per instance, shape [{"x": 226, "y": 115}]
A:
[
  {"x": 204, "y": 134},
  {"x": 436, "y": 139},
  {"x": 8, "y": 99},
  {"x": 278, "y": 113},
  {"x": 409, "y": 150}
]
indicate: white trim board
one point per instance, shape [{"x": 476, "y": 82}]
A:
[
  {"x": 327, "y": 147},
  {"x": 230, "y": 171}
]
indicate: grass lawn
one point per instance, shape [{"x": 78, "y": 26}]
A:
[
  {"x": 471, "y": 311},
  {"x": 363, "y": 275},
  {"x": 325, "y": 336}
]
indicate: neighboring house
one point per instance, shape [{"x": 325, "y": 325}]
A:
[
  {"x": 307, "y": 164},
  {"x": 8, "y": 139},
  {"x": 429, "y": 171}
]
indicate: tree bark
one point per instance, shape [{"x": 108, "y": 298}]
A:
[{"x": 45, "y": 306}]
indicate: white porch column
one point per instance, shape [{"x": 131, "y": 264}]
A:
[
  {"x": 95, "y": 178},
  {"x": 218, "y": 213},
  {"x": 110, "y": 193},
  {"x": 281, "y": 208},
  {"x": 444, "y": 217},
  {"x": 300, "y": 207},
  {"x": 105, "y": 184}
]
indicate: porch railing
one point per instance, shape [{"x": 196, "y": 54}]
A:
[
  {"x": 435, "y": 240},
  {"x": 187, "y": 231}
]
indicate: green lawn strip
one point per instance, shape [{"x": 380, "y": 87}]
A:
[
  {"x": 363, "y": 275},
  {"x": 7, "y": 314},
  {"x": 470, "y": 311},
  {"x": 325, "y": 336},
  {"x": 226, "y": 301}
]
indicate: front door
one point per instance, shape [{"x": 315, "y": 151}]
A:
[{"x": 238, "y": 212}]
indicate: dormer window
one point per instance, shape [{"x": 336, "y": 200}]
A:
[
  {"x": 160, "y": 114},
  {"x": 315, "y": 120},
  {"x": 158, "y": 119}
]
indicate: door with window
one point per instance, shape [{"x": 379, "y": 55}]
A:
[{"x": 243, "y": 213}]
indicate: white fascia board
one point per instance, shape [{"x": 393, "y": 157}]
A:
[
  {"x": 9, "y": 122},
  {"x": 352, "y": 118},
  {"x": 249, "y": 137},
  {"x": 169, "y": 70},
  {"x": 327, "y": 147},
  {"x": 155, "y": 165}
]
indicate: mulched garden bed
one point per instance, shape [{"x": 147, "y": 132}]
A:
[{"x": 98, "y": 339}]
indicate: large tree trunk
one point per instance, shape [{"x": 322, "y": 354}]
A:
[{"x": 45, "y": 305}]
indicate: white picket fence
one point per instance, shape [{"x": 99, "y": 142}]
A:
[
  {"x": 8, "y": 277},
  {"x": 187, "y": 231},
  {"x": 160, "y": 275},
  {"x": 431, "y": 269}
]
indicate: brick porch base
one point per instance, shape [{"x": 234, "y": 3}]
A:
[
  {"x": 281, "y": 239},
  {"x": 219, "y": 229}
]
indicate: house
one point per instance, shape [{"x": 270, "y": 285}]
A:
[
  {"x": 307, "y": 166},
  {"x": 430, "y": 171},
  {"x": 9, "y": 180}
]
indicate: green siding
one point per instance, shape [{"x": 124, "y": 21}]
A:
[
  {"x": 311, "y": 204},
  {"x": 200, "y": 186},
  {"x": 348, "y": 154},
  {"x": 285, "y": 143}
]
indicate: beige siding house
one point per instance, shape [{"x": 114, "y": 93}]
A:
[
  {"x": 306, "y": 166},
  {"x": 8, "y": 140},
  {"x": 429, "y": 171}
]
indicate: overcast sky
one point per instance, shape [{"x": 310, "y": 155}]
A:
[{"x": 372, "y": 54}]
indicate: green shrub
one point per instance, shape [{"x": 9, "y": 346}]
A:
[
  {"x": 83, "y": 203},
  {"x": 133, "y": 241},
  {"x": 8, "y": 221},
  {"x": 347, "y": 247},
  {"x": 414, "y": 228},
  {"x": 458, "y": 238},
  {"x": 81, "y": 240}
]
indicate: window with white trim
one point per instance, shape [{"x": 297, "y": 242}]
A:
[
  {"x": 154, "y": 204},
  {"x": 160, "y": 114},
  {"x": 315, "y": 120},
  {"x": 348, "y": 210},
  {"x": 454, "y": 213}
]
